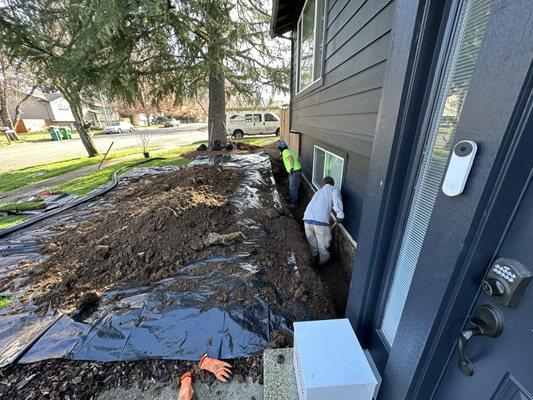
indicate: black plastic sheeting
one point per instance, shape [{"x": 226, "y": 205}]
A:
[{"x": 153, "y": 321}]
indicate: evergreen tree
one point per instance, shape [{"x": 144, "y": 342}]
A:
[
  {"x": 185, "y": 47},
  {"x": 68, "y": 43},
  {"x": 175, "y": 47}
]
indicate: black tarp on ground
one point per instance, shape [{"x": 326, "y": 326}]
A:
[{"x": 149, "y": 321}]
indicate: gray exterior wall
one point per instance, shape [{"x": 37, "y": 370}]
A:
[
  {"x": 33, "y": 108},
  {"x": 341, "y": 113}
]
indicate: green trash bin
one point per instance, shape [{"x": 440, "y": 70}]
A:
[
  {"x": 54, "y": 133},
  {"x": 66, "y": 133}
]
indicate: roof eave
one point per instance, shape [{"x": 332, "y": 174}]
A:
[{"x": 281, "y": 23}]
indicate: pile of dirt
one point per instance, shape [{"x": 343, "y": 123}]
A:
[
  {"x": 230, "y": 148},
  {"x": 148, "y": 232},
  {"x": 153, "y": 228},
  {"x": 64, "y": 379},
  {"x": 143, "y": 235}
]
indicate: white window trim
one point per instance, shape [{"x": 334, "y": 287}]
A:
[
  {"x": 298, "y": 45},
  {"x": 315, "y": 147}
]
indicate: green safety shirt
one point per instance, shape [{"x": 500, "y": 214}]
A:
[{"x": 285, "y": 154}]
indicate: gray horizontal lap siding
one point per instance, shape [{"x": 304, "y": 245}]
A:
[{"x": 342, "y": 111}]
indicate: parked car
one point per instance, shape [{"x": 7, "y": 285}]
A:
[
  {"x": 172, "y": 122},
  {"x": 118, "y": 127},
  {"x": 252, "y": 123}
]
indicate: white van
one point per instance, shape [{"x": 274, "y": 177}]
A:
[{"x": 243, "y": 123}]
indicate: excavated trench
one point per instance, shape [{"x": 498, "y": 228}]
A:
[{"x": 208, "y": 242}]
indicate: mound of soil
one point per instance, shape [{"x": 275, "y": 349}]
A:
[
  {"x": 148, "y": 232},
  {"x": 230, "y": 148},
  {"x": 152, "y": 229}
]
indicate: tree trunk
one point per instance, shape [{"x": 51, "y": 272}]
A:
[
  {"x": 18, "y": 114},
  {"x": 5, "y": 118},
  {"x": 81, "y": 127},
  {"x": 5, "y": 121},
  {"x": 216, "y": 122}
]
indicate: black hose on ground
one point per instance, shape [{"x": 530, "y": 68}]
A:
[{"x": 85, "y": 199}]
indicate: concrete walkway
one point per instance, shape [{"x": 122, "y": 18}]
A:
[{"x": 218, "y": 391}]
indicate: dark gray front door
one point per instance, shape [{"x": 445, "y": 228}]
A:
[
  {"x": 503, "y": 366},
  {"x": 482, "y": 89}
]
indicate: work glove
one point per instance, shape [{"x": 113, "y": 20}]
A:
[
  {"x": 221, "y": 369},
  {"x": 186, "y": 390}
]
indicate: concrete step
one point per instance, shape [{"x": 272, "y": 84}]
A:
[{"x": 279, "y": 380}]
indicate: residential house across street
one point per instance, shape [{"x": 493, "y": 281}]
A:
[{"x": 51, "y": 109}]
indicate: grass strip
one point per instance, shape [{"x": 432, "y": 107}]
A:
[
  {"x": 10, "y": 220},
  {"x": 5, "y": 301},
  {"x": 26, "y": 176},
  {"x": 22, "y": 206}
]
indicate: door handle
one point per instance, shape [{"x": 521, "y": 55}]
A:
[{"x": 487, "y": 321}]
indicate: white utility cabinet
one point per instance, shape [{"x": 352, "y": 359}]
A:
[{"x": 329, "y": 362}]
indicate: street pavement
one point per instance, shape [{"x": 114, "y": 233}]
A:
[{"x": 27, "y": 154}]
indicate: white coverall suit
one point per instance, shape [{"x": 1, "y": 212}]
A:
[{"x": 316, "y": 219}]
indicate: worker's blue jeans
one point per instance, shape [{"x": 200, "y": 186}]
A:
[{"x": 294, "y": 185}]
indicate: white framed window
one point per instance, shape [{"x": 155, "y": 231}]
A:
[
  {"x": 310, "y": 43},
  {"x": 326, "y": 163}
]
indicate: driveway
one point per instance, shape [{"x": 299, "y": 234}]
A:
[{"x": 28, "y": 154}]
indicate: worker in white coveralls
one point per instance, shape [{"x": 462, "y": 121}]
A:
[{"x": 316, "y": 218}]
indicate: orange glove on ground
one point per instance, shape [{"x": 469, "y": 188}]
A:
[
  {"x": 221, "y": 369},
  {"x": 186, "y": 390}
]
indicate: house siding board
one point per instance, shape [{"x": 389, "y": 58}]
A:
[
  {"x": 358, "y": 14},
  {"x": 340, "y": 46},
  {"x": 374, "y": 53},
  {"x": 342, "y": 111},
  {"x": 357, "y": 124},
  {"x": 364, "y": 102},
  {"x": 370, "y": 58},
  {"x": 360, "y": 144},
  {"x": 336, "y": 11},
  {"x": 367, "y": 80}
]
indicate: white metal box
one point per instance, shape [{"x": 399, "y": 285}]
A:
[{"x": 329, "y": 362}]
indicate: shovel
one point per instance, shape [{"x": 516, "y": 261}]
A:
[{"x": 334, "y": 224}]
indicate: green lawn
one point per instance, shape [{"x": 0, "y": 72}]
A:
[
  {"x": 5, "y": 300},
  {"x": 22, "y": 177},
  {"x": 10, "y": 220},
  {"x": 37, "y": 136},
  {"x": 22, "y": 206},
  {"x": 87, "y": 183}
]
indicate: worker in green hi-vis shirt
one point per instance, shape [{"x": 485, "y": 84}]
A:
[{"x": 294, "y": 169}]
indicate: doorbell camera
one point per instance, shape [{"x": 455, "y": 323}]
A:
[{"x": 459, "y": 167}]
